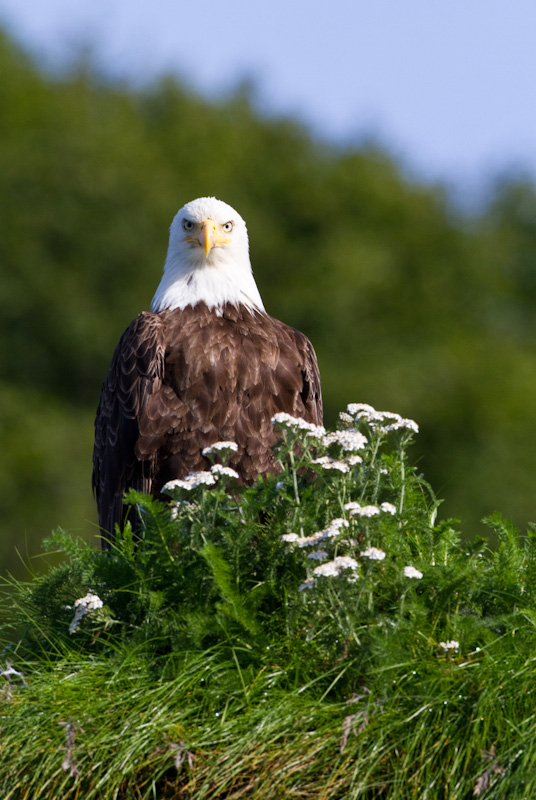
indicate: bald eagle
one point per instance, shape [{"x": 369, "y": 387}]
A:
[{"x": 207, "y": 364}]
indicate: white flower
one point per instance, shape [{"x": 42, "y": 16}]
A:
[
  {"x": 319, "y": 536},
  {"x": 318, "y": 555},
  {"x": 368, "y": 511},
  {"x": 297, "y": 423},
  {"x": 337, "y": 464},
  {"x": 373, "y": 553},
  {"x": 217, "y": 447},
  {"x": 84, "y": 605},
  {"x": 452, "y": 644},
  {"x": 218, "y": 470},
  {"x": 350, "y": 439},
  {"x": 327, "y": 570},
  {"x": 378, "y": 419},
  {"x": 290, "y": 537},
  {"x": 402, "y": 423},
  {"x": 331, "y": 463},
  {"x": 357, "y": 510},
  {"x": 305, "y": 541},
  {"x": 411, "y": 572},
  {"x": 280, "y": 485},
  {"x": 359, "y": 409},
  {"x": 335, "y": 525},
  {"x": 362, "y": 411},
  {"x": 333, "y": 529},
  {"x": 191, "y": 481},
  {"x": 90, "y": 602},
  {"x": 333, "y": 568}
]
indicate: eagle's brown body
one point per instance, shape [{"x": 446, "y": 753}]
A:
[{"x": 183, "y": 379}]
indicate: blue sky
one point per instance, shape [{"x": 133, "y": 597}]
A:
[{"x": 448, "y": 87}]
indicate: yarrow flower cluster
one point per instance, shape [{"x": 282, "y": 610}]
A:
[
  {"x": 357, "y": 510},
  {"x": 217, "y": 446},
  {"x": 331, "y": 463},
  {"x": 218, "y": 469},
  {"x": 411, "y": 572},
  {"x": 285, "y": 420},
  {"x": 332, "y": 530},
  {"x": 192, "y": 481},
  {"x": 452, "y": 644},
  {"x": 403, "y": 424},
  {"x": 205, "y": 478},
  {"x": 220, "y": 448},
  {"x": 349, "y": 439},
  {"x": 383, "y": 420},
  {"x": 82, "y": 606},
  {"x": 373, "y": 554},
  {"x": 331, "y": 569},
  {"x": 337, "y": 452}
]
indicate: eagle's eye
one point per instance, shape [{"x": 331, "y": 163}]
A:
[
  {"x": 187, "y": 225},
  {"x": 228, "y": 227}
]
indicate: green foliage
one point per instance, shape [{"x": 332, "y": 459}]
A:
[{"x": 315, "y": 630}]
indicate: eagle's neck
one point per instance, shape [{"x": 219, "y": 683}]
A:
[{"x": 215, "y": 284}]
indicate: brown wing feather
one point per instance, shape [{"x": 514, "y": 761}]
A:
[
  {"x": 181, "y": 380},
  {"x": 135, "y": 371}
]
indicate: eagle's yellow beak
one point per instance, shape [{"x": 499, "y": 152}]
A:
[
  {"x": 208, "y": 235},
  {"x": 211, "y": 235}
]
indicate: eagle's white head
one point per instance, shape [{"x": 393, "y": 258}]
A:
[{"x": 207, "y": 259}]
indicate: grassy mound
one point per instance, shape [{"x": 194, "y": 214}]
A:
[{"x": 316, "y": 635}]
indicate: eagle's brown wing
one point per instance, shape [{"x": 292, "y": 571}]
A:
[
  {"x": 136, "y": 371},
  {"x": 311, "y": 393}
]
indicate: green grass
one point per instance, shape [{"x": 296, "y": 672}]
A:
[{"x": 216, "y": 668}]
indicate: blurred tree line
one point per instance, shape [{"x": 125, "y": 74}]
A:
[{"x": 411, "y": 305}]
